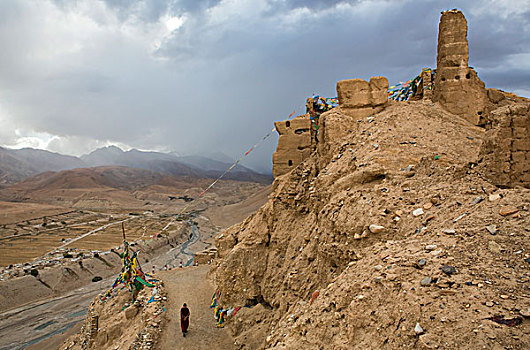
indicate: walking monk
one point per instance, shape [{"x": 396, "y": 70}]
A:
[{"x": 184, "y": 319}]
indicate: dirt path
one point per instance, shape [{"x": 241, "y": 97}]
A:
[{"x": 190, "y": 285}]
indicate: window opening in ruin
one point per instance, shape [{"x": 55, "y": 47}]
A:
[
  {"x": 290, "y": 162},
  {"x": 457, "y": 77},
  {"x": 468, "y": 76},
  {"x": 443, "y": 79},
  {"x": 479, "y": 112},
  {"x": 300, "y": 131},
  {"x": 288, "y": 124}
]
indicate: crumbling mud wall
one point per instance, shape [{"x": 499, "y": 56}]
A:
[
  {"x": 358, "y": 98},
  {"x": 294, "y": 144},
  {"x": 361, "y": 98},
  {"x": 457, "y": 86},
  {"x": 506, "y": 147},
  {"x": 425, "y": 89}
]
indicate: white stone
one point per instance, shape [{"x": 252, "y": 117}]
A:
[
  {"x": 431, "y": 247},
  {"x": 418, "y": 212},
  {"x": 494, "y": 197},
  {"x": 376, "y": 228},
  {"x": 418, "y": 329}
]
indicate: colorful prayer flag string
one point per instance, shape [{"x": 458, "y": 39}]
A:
[{"x": 403, "y": 91}]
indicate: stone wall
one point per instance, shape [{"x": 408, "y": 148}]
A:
[
  {"x": 457, "y": 86},
  {"x": 294, "y": 144},
  {"x": 506, "y": 147}
]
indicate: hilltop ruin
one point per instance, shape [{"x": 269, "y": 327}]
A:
[
  {"x": 423, "y": 203},
  {"x": 456, "y": 88}
]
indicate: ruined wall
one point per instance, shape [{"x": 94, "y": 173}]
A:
[
  {"x": 358, "y": 98},
  {"x": 361, "y": 98},
  {"x": 506, "y": 147},
  {"x": 205, "y": 256},
  {"x": 426, "y": 85},
  {"x": 457, "y": 86},
  {"x": 294, "y": 144}
]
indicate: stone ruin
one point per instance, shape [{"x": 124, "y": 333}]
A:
[
  {"x": 456, "y": 88},
  {"x": 506, "y": 148},
  {"x": 361, "y": 98},
  {"x": 294, "y": 145},
  {"x": 298, "y": 139},
  {"x": 205, "y": 256}
]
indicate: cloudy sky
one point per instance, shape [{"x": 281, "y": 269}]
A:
[{"x": 206, "y": 76}]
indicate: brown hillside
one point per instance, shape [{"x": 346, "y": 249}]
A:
[{"x": 314, "y": 234}]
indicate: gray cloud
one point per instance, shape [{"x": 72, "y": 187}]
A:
[{"x": 208, "y": 76}]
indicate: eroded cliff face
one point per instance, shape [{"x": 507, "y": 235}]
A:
[{"x": 355, "y": 219}]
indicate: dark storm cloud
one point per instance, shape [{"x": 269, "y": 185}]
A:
[{"x": 207, "y": 76}]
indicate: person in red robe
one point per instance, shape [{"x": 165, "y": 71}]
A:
[{"x": 184, "y": 319}]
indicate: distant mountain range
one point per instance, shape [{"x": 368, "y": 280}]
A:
[{"x": 17, "y": 165}]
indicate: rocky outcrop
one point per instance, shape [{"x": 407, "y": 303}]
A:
[
  {"x": 457, "y": 86},
  {"x": 355, "y": 227},
  {"x": 120, "y": 323}
]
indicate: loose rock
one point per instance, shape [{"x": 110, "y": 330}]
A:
[
  {"x": 426, "y": 281},
  {"x": 494, "y": 247},
  {"x": 525, "y": 312},
  {"x": 492, "y": 229},
  {"x": 431, "y": 247},
  {"x": 494, "y": 197},
  {"x": 418, "y": 212},
  {"x": 477, "y": 200},
  {"x": 448, "y": 269},
  {"x": 376, "y": 228},
  {"x": 508, "y": 210},
  {"x": 418, "y": 330}
]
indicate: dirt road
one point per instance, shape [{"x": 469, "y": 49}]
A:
[{"x": 190, "y": 285}]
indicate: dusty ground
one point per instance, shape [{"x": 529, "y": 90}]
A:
[
  {"x": 13, "y": 212},
  {"x": 231, "y": 214},
  {"x": 191, "y": 286}
]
